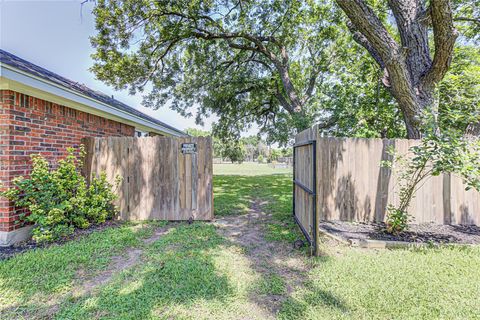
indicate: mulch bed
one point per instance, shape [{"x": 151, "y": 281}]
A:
[
  {"x": 417, "y": 233},
  {"x": 8, "y": 252}
]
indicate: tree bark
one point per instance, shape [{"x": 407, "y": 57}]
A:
[
  {"x": 410, "y": 73},
  {"x": 473, "y": 129}
]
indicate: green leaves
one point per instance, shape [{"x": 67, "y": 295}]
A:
[
  {"x": 280, "y": 65},
  {"x": 59, "y": 200},
  {"x": 440, "y": 151},
  {"x": 247, "y": 62},
  {"x": 397, "y": 220},
  {"x": 459, "y": 92}
]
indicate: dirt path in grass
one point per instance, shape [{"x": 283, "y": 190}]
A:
[
  {"x": 119, "y": 263},
  {"x": 87, "y": 283},
  {"x": 268, "y": 258}
]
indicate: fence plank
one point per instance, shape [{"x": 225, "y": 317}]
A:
[
  {"x": 352, "y": 185},
  {"x": 159, "y": 181}
]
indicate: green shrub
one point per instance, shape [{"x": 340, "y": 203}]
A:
[
  {"x": 397, "y": 220},
  {"x": 260, "y": 159},
  {"x": 59, "y": 200},
  {"x": 446, "y": 151}
]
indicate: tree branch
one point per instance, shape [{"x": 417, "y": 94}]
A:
[
  {"x": 361, "y": 40},
  {"x": 369, "y": 25},
  {"x": 474, "y": 20},
  {"x": 328, "y": 123},
  {"x": 366, "y": 21},
  {"x": 445, "y": 35},
  {"x": 211, "y": 30},
  {"x": 285, "y": 104}
]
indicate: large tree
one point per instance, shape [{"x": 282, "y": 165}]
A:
[
  {"x": 245, "y": 61},
  {"x": 410, "y": 72},
  {"x": 284, "y": 64},
  {"x": 355, "y": 96}
]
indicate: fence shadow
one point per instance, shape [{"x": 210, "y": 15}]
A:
[
  {"x": 383, "y": 182},
  {"x": 346, "y": 199},
  {"x": 353, "y": 185}
]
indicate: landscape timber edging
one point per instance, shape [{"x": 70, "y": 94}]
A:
[{"x": 385, "y": 244}]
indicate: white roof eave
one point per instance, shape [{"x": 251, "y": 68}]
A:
[{"x": 38, "y": 83}]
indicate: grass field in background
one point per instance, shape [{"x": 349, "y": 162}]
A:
[
  {"x": 247, "y": 169},
  {"x": 237, "y": 186}
]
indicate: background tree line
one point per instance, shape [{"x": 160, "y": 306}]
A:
[{"x": 251, "y": 148}]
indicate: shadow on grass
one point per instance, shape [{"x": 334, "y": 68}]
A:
[
  {"x": 298, "y": 308},
  {"x": 177, "y": 270},
  {"x": 235, "y": 195},
  {"x": 232, "y": 194},
  {"x": 272, "y": 194},
  {"x": 49, "y": 273}
]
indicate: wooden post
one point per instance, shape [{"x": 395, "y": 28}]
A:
[{"x": 318, "y": 189}]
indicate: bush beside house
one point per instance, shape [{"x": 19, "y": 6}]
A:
[
  {"x": 44, "y": 113},
  {"x": 59, "y": 200}
]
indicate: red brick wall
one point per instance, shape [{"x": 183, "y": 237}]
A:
[{"x": 30, "y": 125}]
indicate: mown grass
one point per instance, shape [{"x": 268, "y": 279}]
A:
[
  {"x": 194, "y": 273},
  {"x": 29, "y": 281},
  {"x": 236, "y": 195},
  {"x": 232, "y": 194},
  {"x": 190, "y": 273},
  {"x": 272, "y": 284},
  {"x": 390, "y": 284},
  {"x": 348, "y": 283},
  {"x": 248, "y": 169}
]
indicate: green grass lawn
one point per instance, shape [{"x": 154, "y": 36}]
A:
[
  {"x": 193, "y": 272},
  {"x": 390, "y": 284},
  {"x": 248, "y": 169}
]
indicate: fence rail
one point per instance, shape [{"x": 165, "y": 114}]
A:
[{"x": 159, "y": 181}]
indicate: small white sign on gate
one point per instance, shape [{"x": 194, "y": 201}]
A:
[{"x": 189, "y": 148}]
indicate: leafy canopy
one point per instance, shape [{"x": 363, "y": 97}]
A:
[
  {"x": 279, "y": 64},
  {"x": 248, "y": 62}
]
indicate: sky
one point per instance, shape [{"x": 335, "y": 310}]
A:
[{"x": 55, "y": 35}]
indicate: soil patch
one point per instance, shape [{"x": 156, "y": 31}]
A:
[
  {"x": 119, "y": 263},
  {"x": 267, "y": 257},
  {"x": 10, "y": 251},
  {"x": 417, "y": 233}
]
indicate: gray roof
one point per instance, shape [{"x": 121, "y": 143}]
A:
[{"x": 19, "y": 63}]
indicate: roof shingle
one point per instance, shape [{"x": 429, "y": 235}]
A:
[{"x": 21, "y": 64}]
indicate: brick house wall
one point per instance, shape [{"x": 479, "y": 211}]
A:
[{"x": 31, "y": 125}]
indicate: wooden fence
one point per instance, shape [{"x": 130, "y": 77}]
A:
[
  {"x": 351, "y": 185},
  {"x": 304, "y": 189},
  {"x": 163, "y": 178}
]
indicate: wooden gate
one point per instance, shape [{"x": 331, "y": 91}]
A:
[
  {"x": 304, "y": 185},
  {"x": 163, "y": 178}
]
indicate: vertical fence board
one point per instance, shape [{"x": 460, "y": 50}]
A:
[
  {"x": 465, "y": 205},
  {"x": 352, "y": 185},
  {"x": 158, "y": 180}
]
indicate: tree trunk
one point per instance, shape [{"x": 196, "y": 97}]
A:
[
  {"x": 413, "y": 130},
  {"x": 410, "y": 74},
  {"x": 473, "y": 129},
  {"x": 413, "y": 111}
]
